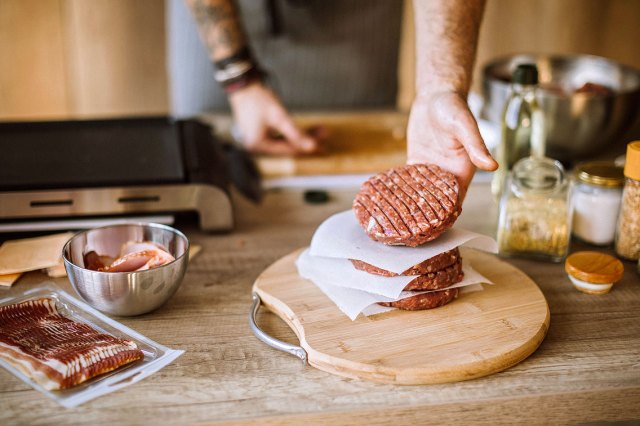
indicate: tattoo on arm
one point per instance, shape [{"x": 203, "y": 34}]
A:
[{"x": 219, "y": 26}]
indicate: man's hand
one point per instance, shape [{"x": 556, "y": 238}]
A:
[
  {"x": 442, "y": 131},
  {"x": 441, "y": 128},
  {"x": 264, "y": 124}
]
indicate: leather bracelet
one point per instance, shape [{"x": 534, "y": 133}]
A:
[
  {"x": 237, "y": 71},
  {"x": 243, "y": 54},
  {"x": 251, "y": 76},
  {"x": 233, "y": 71}
]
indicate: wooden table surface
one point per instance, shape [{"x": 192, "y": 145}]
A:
[{"x": 586, "y": 370}]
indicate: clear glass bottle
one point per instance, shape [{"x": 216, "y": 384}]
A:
[
  {"x": 535, "y": 211},
  {"x": 596, "y": 201},
  {"x": 522, "y": 125},
  {"x": 628, "y": 230}
]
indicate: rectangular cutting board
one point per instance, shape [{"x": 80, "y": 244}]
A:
[
  {"x": 365, "y": 142},
  {"x": 477, "y": 334}
]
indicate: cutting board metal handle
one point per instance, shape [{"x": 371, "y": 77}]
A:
[{"x": 294, "y": 350}]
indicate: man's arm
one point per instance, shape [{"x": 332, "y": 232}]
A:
[
  {"x": 446, "y": 41},
  {"x": 219, "y": 27},
  {"x": 442, "y": 130},
  {"x": 258, "y": 111}
]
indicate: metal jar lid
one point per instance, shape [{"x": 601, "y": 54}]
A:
[{"x": 600, "y": 173}]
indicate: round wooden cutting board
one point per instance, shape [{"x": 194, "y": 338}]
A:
[{"x": 477, "y": 334}]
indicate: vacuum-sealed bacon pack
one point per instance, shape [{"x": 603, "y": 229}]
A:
[{"x": 71, "y": 352}]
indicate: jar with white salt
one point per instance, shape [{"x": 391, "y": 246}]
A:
[{"x": 596, "y": 201}]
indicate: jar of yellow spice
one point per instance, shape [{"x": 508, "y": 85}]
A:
[
  {"x": 628, "y": 229},
  {"x": 535, "y": 211}
]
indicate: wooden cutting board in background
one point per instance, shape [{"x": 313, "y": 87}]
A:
[
  {"x": 477, "y": 334},
  {"x": 358, "y": 142}
]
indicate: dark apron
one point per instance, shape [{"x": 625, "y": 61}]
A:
[{"x": 321, "y": 54}]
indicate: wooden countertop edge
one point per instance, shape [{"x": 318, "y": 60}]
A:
[{"x": 561, "y": 408}]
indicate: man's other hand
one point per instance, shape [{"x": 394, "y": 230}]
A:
[{"x": 265, "y": 125}]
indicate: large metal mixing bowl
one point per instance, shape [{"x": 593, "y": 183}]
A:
[
  {"x": 126, "y": 293},
  {"x": 577, "y": 125}
]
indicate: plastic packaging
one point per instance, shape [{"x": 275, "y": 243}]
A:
[{"x": 156, "y": 356}]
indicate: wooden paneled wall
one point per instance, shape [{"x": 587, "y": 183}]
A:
[
  {"x": 32, "y": 60},
  {"x": 78, "y": 58},
  {"x": 88, "y": 58},
  {"x": 609, "y": 28}
]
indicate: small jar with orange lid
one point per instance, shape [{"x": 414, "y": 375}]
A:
[
  {"x": 593, "y": 272},
  {"x": 628, "y": 228}
]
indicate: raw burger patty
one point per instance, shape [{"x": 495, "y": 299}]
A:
[
  {"x": 434, "y": 264},
  {"x": 408, "y": 205},
  {"x": 424, "y": 301},
  {"x": 439, "y": 279}
]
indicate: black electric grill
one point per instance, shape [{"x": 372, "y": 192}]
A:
[{"x": 90, "y": 168}]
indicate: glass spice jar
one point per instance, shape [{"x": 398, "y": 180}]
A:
[
  {"x": 535, "y": 211},
  {"x": 596, "y": 201},
  {"x": 628, "y": 230}
]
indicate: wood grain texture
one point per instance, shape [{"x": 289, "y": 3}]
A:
[
  {"x": 357, "y": 142},
  {"x": 477, "y": 334},
  {"x": 586, "y": 369},
  {"x": 116, "y": 57},
  {"x": 548, "y": 409},
  {"x": 540, "y": 26},
  {"x": 407, "y": 59},
  {"x": 32, "y": 63},
  {"x": 68, "y": 59},
  {"x": 594, "y": 267}
]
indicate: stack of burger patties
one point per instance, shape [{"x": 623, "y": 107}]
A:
[{"x": 410, "y": 206}]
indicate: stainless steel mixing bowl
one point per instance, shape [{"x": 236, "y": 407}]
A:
[
  {"x": 126, "y": 293},
  {"x": 577, "y": 124}
]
